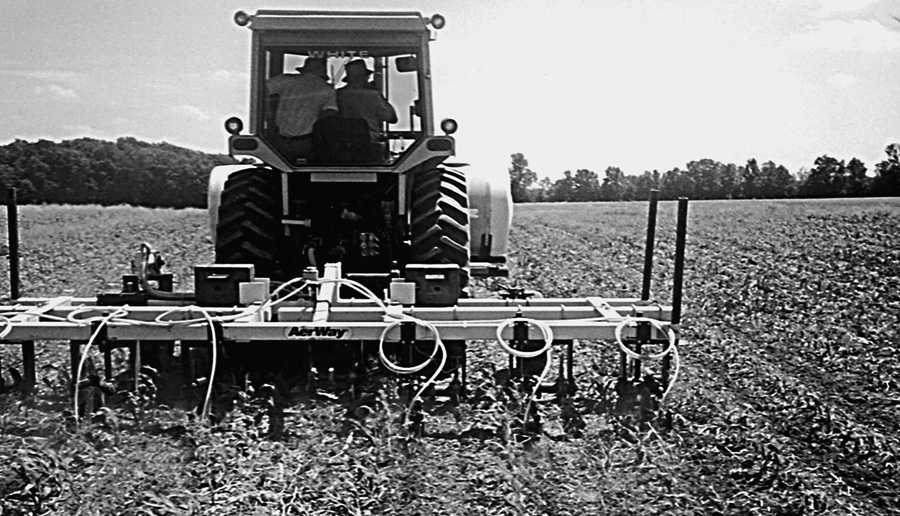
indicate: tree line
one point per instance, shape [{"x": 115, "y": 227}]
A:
[
  {"x": 89, "y": 171},
  {"x": 129, "y": 171},
  {"x": 710, "y": 179}
]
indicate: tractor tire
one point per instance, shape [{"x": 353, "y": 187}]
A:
[
  {"x": 249, "y": 225},
  {"x": 439, "y": 210}
]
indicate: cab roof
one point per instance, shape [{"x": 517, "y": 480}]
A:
[{"x": 355, "y": 21}]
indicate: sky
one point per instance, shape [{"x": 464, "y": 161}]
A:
[{"x": 571, "y": 84}]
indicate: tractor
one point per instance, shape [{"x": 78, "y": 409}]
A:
[
  {"x": 385, "y": 204},
  {"x": 380, "y": 203}
]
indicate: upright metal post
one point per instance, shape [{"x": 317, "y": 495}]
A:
[
  {"x": 651, "y": 236},
  {"x": 29, "y": 373},
  {"x": 407, "y": 350},
  {"x": 12, "y": 221},
  {"x": 75, "y": 358},
  {"x": 642, "y": 336},
  {"x": 678, "y": 277},
  {"x": 520, "y": 343}
]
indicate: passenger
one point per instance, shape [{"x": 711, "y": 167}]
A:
[
  {"x": 296, "y": 102},
  {"x": 359, "y": 99}
]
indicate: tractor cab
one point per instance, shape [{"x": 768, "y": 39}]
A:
[{"x": 393, "y": 52}]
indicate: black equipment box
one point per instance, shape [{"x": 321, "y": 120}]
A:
[
  {"x": 218, "y": 284},
  {"x": 436, "y": 285}
]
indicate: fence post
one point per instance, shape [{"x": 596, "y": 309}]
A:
[{"x": 12, "y": 221}]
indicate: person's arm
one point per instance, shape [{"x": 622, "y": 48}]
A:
[{"x": 386, "y": 112}]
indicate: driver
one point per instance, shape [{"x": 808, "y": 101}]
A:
[
  {"x": 360, "y": 99},
  {"x": 302, "y": 99}
]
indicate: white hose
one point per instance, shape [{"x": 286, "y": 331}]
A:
[
  {"x": 209, "y": 320},
  {"x": 71, "y": 317},
  {"x": 398, "y": 320},
  {"x": 162, "y": 318},
  {"x": 119, "y": 316},
  {"x": 286, "y": 284},
  {"x": 34, "y": 312},
  {"x": 411, "y": 369},
  {"x": 547, "y": 332},
  {"x": 204, "y": 413},
  {"x": 7, "y": 326},
  {"x": 438, "y": 344},
  {"x": 359, "y": 287},
  {"x": 103, "y": 322},
  {"x": 671, "y": 348}
]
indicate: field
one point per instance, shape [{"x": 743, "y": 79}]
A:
[{"x": 788, "y": 400}]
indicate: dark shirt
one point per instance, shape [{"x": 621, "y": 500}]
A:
[{"x": 359, "y": 101}]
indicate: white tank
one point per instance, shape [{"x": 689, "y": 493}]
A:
[{"x": 490, "y": 213}]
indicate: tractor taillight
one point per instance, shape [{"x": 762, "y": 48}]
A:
[
  {"x": 241, "y": 18},
  {"x": 449, "y": 126},
  {"x": 234, "y": 125},
  {"x": 437, "y": 21}
]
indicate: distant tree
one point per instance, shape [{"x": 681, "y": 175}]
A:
[
  {"x": 750, "y": 177},
  {"x": 641, "y": 185},
  {"x": 887, "y": 182},
  {"x": 38, "y": 175},
  {"x": 775, "y": 182},
  {"x": 587, "y": 186},
  {"x": 826, "y": 178},
  {"x": 676, "y": 183},
  {"x": 521, "y": 178},
  {"x": 730, "y": 181},
  {"x": 705, "y": 179},
  {"x": 543, "y": 190},
  {"x": 7, "y": 175},
  {"x": 563, "y": 189},
  {"x": 25, "y": 190},
  {"x": 613, "y": 186},
  {"x": 856, "y": 183}
]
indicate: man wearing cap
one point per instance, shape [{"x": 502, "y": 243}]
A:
[
  {"x": 297, "y": 102},
  {"x": 359, "y": 100}
]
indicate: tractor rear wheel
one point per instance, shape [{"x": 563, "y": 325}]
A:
[
  {"x": 248, "y": 226},
  {"x": 440, "y": 219}
]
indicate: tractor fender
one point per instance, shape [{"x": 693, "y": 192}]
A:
[
  {"x": 217, "y": 179},
  {"x": 490, "y": 213}
]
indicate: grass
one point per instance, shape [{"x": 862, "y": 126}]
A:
[{"x": 787, "y": 402}]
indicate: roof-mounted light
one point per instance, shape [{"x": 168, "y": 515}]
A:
[
  {"x": 241, "y": 18},
  {"x": 437, "y": 21},
  {"x": 234, "y": 126},
  {"x": 449, "y": 126}
]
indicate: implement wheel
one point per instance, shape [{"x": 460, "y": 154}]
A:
[
  {"x": 248, "y": 228},
  {"x": 440, "y": 219}
]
